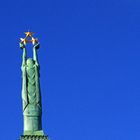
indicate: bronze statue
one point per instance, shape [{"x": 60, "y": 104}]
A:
[{"x": 31, "y": 96}]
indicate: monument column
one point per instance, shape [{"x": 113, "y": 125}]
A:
[{"x": 31, "y": 95}]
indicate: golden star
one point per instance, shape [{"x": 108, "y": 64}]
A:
[
  {"x": 29, "y": 34},
  {"x": 23, "y": 40},
  {"x": 34, "y": 40}
]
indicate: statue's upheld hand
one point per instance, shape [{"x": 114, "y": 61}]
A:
[
  {"x": 36, "y": 46},
  {"x": 22, "y": 45}
]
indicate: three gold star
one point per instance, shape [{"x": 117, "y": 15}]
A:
[
  {"x": 26, "y": 40},
  {"x": 29, "y": 34},
  {"x": 34, "y": 40},
  {"x": 23, "y": 40}
]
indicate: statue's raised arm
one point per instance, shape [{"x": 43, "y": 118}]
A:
[
  {"x": 22, "y": 46},
  {"x": 24, "y": 57},
  {"x": 35, "y": 56}
]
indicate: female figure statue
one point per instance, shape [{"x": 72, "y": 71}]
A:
[{"x": 31, "y": 97}]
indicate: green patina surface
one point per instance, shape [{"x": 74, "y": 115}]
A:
[{"x": 31, "y": 96}]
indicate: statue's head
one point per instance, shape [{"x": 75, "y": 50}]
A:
[{"x": 30, "y": 62}]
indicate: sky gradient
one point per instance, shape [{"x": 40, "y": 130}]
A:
[{"x": 90, "y": 67}]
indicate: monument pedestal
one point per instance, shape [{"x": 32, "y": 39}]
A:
[{"x": 33, "y": 137}]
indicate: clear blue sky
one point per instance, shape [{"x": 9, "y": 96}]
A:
[{"x": 90, "y": 67}]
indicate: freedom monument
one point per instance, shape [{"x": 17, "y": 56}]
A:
[{"x": 31, "y": 95}]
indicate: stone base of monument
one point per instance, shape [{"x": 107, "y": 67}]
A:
[
  {"x": 36, "y": 135},
  {"x": 33, "y": 137}
]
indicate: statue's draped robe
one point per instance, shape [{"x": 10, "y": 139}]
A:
[{"x": 31, "y": 91}]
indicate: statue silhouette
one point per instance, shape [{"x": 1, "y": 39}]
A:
[{"x": 31, "y": 96}]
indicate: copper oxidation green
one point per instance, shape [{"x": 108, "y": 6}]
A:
[{"x": 31, "y": 95}]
